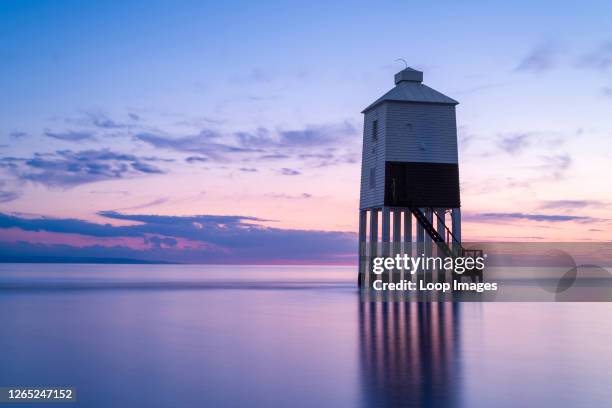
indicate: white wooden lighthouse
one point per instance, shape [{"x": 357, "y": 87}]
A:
[{"x": 409, "y": 171}]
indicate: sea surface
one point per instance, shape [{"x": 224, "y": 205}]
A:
[{"x": 279, "y": 336}]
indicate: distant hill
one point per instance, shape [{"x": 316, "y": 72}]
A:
[{"x": 76, "y": 260}]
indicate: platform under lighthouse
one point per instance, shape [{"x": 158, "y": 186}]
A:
[{"x": 410, "y": 195}]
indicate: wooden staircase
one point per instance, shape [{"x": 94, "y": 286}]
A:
[{"x": 448, "y": 242}]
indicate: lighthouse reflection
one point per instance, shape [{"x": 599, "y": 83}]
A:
[{"x": 408, "y": 353}]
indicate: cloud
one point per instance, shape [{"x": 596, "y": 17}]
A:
[
  {"x": 571, "y": 204},
  {"x": 465, "y": 139},
  {"x": 248, "y": 169},
  {"x": 317, "y": 135},
  {"x": 543, "y": 57},
  {"x": 160, "y": 242},
  {"x": 200, "y": 122},
  {"x": 316, "y": 146},
  {"x": 255, "y": 75},
  {"x": 514, "y": 144},
  {"x": 274, "y": 156},
  {"x": 530, "y": 217},
  {"x": 203, "y": 143},
  {"x": 261, "y": 137},
  {"x": 320, "y": 145},
  {"x": 209, "y": 238},
  {"x": 289, "y": 172},
  {"x": 71, "y": 136},
  {"x": 118, "y": 192},
  {"x": 606, "y": 91},
  {"x": 479, "y": 88},
  {"x": 196, "y": 159},
  {"x": 600, "y": 59},
  {"x": 329, "y": 156},
  {"x": 541, "y": 149},
  {"x": 148, "y": 204},
  {"x": 555, "y": 165},
  {"x": 284, "y": 196},
  {"x": 309, "y": 137},
  {"x": 102, "y": 121},
  {"x": 6, "y": 196},
  {"x": 145, "y": 167},
  {"x": 551, "y": 168},
  {"x": 319, "y": 156},
  {"x": 66, "y": 168},
  {"x": 18, "y": 135},
  {"x": 177, "y": 226}
]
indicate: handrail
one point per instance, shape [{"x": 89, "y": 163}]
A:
[
  {"x": 447, "y": 229},
  {"x": 445, "y": 245}
]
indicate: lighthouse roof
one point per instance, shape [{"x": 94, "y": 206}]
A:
[{"x": 409, "y": 88}]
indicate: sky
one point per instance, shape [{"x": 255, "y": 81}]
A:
[{"x": 231, "y": 131}]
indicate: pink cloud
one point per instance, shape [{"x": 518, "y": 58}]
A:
[{"x": 82, "y": 241}]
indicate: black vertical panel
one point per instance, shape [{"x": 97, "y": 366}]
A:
[{"x": 415, "y": 184}]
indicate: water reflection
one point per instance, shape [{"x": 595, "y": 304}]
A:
[{"x": 409, "y": 353}]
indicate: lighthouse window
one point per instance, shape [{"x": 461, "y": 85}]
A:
[
  {"x": 375, "y": 130},
  {"x": 373, "y": 177}
]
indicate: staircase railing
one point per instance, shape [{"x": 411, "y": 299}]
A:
[
  {"x": 445, "y": 242},
  {"x": 442, "y": 242},
  {"x": 450, "y": 237}
]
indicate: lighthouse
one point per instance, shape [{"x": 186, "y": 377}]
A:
[{"x": 410, "y": 197}]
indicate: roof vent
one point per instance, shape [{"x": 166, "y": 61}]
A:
[{"x": 408, "y": 74}]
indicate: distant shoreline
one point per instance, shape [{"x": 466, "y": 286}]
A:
[
  {"x": 79, "y": 260},
  {"x": 132, "y": 261}
]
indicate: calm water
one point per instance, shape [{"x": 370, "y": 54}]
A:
[{"x": 173, "y": 336}]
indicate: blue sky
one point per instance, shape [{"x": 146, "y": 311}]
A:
[{"x": 252, "y": 109}]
